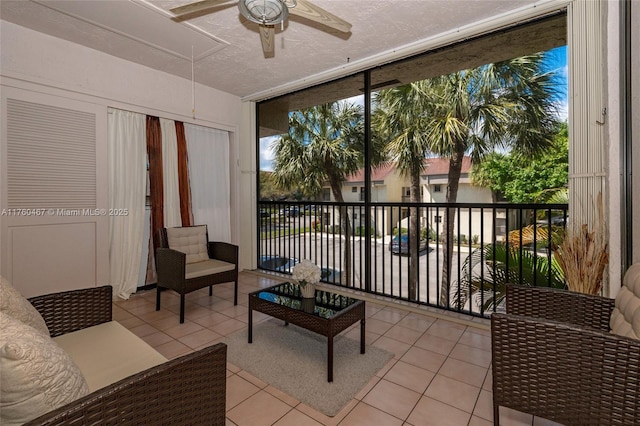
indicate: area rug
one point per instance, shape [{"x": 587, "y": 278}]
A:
[{"x": 294, "y": 360}]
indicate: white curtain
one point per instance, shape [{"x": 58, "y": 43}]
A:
[
  {"x": 127, "y": 192},
  {"x": 208, "y": 154},
  {"x": 170, "y": 174}
]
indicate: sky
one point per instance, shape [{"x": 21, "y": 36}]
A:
[{"x": 555, "y": 61}]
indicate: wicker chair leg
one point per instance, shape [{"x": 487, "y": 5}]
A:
[
  {"x": 181, "y": 308},
  {"x": 210, "y": 290},
  {"x": 157, "y": 298},
  {"x": 235, "y": 292},
  {"x": 496, "y": 415}
]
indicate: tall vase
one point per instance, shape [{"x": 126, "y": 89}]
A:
[
  {"x": 308, "y": 305},
  {"x": 308, "y": 290}
]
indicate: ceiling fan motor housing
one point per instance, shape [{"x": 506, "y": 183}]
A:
[{"x": 265, "y": 12}]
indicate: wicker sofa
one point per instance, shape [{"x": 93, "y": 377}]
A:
[
  {"x": 554, "y": 356},
  {"x": 190, "y": 389}
]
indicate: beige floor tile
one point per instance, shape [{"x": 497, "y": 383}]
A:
[
  {"x": 436, "y": 344},
  {"x": 180, "y": 330},
  {"x": 365, "y": 390},
  {"x": 397, "y": 348},
  {"x": 430, "y": 412},
  {"x": 173, "y": 349},
  {"x": 477, "y": 421},
  {"x": 131, "y": 322},
  {"x": 484, "y": 406},
  {"x": 392, "y": 399},
  {"x": 410, "y": 376},
  {"x": 238, "y": 390},
  {"x": 324, "y": 419},
  {"x": 235, "y": 311},
  {"x": 471, "y": 355},
  {"x": 389, "y": 315},
  {"x": 157, "y": 339},
  {"x": 446, "y": 330},
  {"x": 539, "y": 421},
  {"x": 200, "y": 338},
  {"x": 364, "y": 414},
  {"x": 471, "y": 338},
  {"x": 488, "y": 381},
  {"x": 296, "y": 418},
  {"x": 509, "y": 417},
  {"x": 211, "y": 319},
  {"x": 416, "y": 322},
  {"x": 143, "y": 330},
  {"x": 119, "y": 314},
  {"x": 377, "y": 326},
  {"x": 453, "y": 392},
  {"x": 424, "y": 358},
  {"x": 403, "y": 334},
  {"x": 157, "y": 315},
  {"x": 465, "y": 372},
  {"x": 260, "y": 409}
]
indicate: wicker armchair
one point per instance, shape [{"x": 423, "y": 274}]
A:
[
  {"x": 173, "y": 267},
  {"x": 554, "y": 357},
  {"x": 187, "y": 390}
]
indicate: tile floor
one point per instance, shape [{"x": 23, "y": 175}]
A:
[{"x": 440, "y": 374}]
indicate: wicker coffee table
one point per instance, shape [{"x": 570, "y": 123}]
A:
[{"x": 327, "y": 313}]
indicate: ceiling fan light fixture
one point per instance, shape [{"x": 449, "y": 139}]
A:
[{"x": 265, "y": 12}]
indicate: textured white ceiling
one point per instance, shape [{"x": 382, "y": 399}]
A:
[{"x": 226, "y": 48}]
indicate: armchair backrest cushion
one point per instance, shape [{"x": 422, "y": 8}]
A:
[
  {"x": 625, "y": 318},
  {"x": 190, "y": 240}
]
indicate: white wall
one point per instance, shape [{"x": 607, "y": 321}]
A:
[{"x": 41, "y": 68}]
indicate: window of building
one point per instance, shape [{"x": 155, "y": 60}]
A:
[
  {"x": 437, "y": 188},
  {"x": 354, "y": 189}
]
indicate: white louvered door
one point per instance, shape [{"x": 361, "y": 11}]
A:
[{"x": 54, "y": 218}]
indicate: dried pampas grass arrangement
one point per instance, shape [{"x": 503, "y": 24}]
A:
[{"x": 584, "y": 253}]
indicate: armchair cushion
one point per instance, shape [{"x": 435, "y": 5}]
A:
[
  {"x": 18, "y": 307},
  {"x": 207, "y": 267},
  {"x": 625, "y": 318},
  {"x": 190, "y": 240},
  {"x": 36, "y": 375}
]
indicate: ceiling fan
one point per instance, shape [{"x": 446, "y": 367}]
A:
[{"x": 267, "y": 14}]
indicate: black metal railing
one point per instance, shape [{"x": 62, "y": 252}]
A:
[{"x": 462, "y": 267}]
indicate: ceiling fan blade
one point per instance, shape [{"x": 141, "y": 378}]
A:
[
  {"x": 308, "y": 10},
  {"x": 267, "y": 36},
  {"x": 195, "y": 7}
]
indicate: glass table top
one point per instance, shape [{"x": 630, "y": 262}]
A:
[{"x": 325, "y": 304}]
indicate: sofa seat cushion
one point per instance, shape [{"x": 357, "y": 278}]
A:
[
  {"x": 190, "y": 240},
  {"x": 207, "y": 267},
  {"x": 36, "y": 375},
  {"x": 625, "y": 318},
  {"x": 107, "y": 353}
]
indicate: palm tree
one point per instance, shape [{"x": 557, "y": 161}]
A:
[
  {"x": 399, "y": 119},
  {"x": 507, "y": 104},
  {"x": 324, "y": 144}
]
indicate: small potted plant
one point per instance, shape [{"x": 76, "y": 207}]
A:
[{"x": 307, "y": 274}]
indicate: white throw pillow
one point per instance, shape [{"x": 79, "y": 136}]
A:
[
  {"x": 36, "y": 375},
  {"x": 15, "y": 305},
  {"x": 190, "y": 240},
  {"x": 625, "y": 318}
]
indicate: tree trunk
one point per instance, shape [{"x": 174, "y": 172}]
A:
[
  {"x": 455, "y": 169},
  {"x": 345, "y": 224},
  {"x": 414, "y": 237}
]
